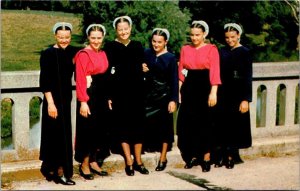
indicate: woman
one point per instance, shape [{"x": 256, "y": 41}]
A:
[
  {"x": 199, "y": 77},
  {"x": 126, "y": 93},
  {"x": 56, "y": 63},
  {"x": 161, "y": 95},
  {"x": 235, "y": 95},
  {"x": 91, "y": 65}
]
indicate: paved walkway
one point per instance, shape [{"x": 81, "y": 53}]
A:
[{"x": 262, "y": 173}]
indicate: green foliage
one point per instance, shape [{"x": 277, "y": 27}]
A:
[
  {"x": 6, "y": 122},
  {"x": 34, "y": 111},
  {"x": 146, "y": 15}
]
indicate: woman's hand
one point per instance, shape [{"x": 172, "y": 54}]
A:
[
  {"x": 85, "y": 109},
  {"x": 110, "y": 104},
  {"x": 172, "y": 106},
  {"x": 145, "y": 67},
  {"x": 212, "y": 100},
  {"x": 244, "y": 107},
  {"x": 52, "y": 111}
]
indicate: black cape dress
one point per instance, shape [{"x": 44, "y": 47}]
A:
[
  {"x": 234, "y": 128},
  {"x": 161, "y": 88},
  {"x": 56, "y": 134},
  {"x": 126, "y": 90}
]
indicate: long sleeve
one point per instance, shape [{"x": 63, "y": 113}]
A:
[
  {"x": 180, "y": 67},
  {"x": 214, "y": 64},
  {"x": 45, "y": 73},
  {"x": 247, "y": 87},
  {"x": 174, "y": 79},
  {"x": 82, "y": 60}
]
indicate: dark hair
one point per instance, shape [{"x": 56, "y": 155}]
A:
[
  {"x": 120, "y": 20},
  {"x": 197, "y": 25},
  {"x": 95, "y": 28},
  {"x": 230, "y": 28},
  {"x": 159, "y": 33},
  {"x": 63, "y": 28}
]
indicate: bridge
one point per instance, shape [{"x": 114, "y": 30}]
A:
[{"x": 274, "y": 116}]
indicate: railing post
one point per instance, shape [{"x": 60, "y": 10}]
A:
[
  {"x": 271, "y": 104},
  {"x": 20, "y": 123},
  {"x": 290, "y": 103}
]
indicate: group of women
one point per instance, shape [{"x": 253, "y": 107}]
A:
[{"x": 130, "y": 93}]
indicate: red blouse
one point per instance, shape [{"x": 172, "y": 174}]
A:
[
  {"x": 88, "y": 62},
  {"x": 206, "y": 57}
]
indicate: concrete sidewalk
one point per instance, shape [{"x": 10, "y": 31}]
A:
[
  {"x": 262, "y": 173},
  {"x": 270, "y": 164}
]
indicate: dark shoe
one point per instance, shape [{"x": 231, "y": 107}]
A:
[
  {"x": 219, "y": 164},
  {"x": 205, "y": 166},
  {"x": 64, "y": 181},
  {"x": 129, "y": 170},
  {"x": 229, "y": 164},
  {"x": 161, "y": 166},
  {"x": 192, "y": 163},
  {"x": 49, "y": 176},
  {"x": 85, "y": 176},
  {"x": 100, "y": 173},
  {"x": 141, "y": 168}
]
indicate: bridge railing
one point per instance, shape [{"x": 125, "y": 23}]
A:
[{"x": 274, "y": 109}]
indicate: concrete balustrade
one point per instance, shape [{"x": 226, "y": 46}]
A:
[{"x": 21, "y": 87}]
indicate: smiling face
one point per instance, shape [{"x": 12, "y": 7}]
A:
[
  {"x": 158, "y": 43},
  {"x": 95, "y": 39},
  {"x": 232, "y": 38},
  {"x": 123, "y": 31},
  {"x": 63, "y": 38},
  {"x": 197, "y": 36}
]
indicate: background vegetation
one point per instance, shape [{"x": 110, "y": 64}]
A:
[{"x": 271, "y": 28}]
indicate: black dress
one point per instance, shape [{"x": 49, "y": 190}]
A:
[
  {"x": 195, "y": 117},
  {"x": 161, "y": 88},
  {"x": 234, "y": 128},
  {"x": 126, "y": 90},
  {"x": 56, "y": 134}
]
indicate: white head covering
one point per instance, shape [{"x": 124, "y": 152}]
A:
[
  {"x": 125, "y": 17},
  {"x": 204, "y": 24},
  {"x": 234, "y": 25},
  {"x": 164, "y": 30},
  {"x": 61, "y": 24},
  {"x": 93, "y": 25}
]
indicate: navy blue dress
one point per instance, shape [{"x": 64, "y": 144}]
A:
[
  {"x": 161, "y": 88},
  {"x": 234, "y": 128}
]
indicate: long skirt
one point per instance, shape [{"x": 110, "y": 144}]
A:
[
  {"x": 92, "y": 133},
  {"x": 56, "y": 139},
  {"x": 195, "y": 118}
]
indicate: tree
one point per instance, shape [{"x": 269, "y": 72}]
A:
[{"x": 146, "y": 16}]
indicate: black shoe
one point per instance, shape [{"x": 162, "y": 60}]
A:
[
  {"x": 219, "y": 164},
  {"x": 85, "y": 176},
  {"x": 192, "y": 163},
  {"x": 229, "y": 164},
  {"x": 205, "y": 166},
  {"x": 161, "y": 166},
  {"x": 129, "y": 170},
  {"x": 48, "y": 175},
  {"x": 100, "y": 173},
  {"x": 141, "y": 168},
  {"x": 64, "y": 181}
]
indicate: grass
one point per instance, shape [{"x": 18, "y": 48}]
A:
[{"x": 25, "y": 33}]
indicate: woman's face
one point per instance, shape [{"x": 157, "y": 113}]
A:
[
  {"x": 158, "y": 43},
  {"x": 197, "y": 36},
  {"x": 123, "y": 30},
  {"x": 96, "y": 39},
  {"x": 63, "y": 38},
  {"x": 232, "y": 38}
]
